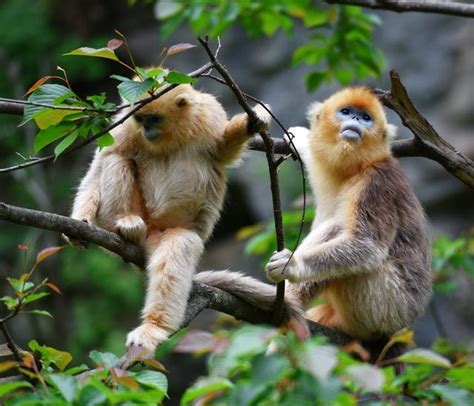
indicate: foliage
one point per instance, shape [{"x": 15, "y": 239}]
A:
[
  {"x": 450, "y": 257},
  {"x": 340, "y": 37},
  {"x": 61, "y": 115},
  {"x": 242, "y": 372},
  {"x": 46, "y": 375}
]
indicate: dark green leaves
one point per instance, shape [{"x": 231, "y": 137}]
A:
[
  {"x": 132, "y": 90},
  {"x": 179, "y": 78}
]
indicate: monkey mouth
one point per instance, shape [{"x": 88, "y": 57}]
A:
[
  {"x": 151, "y": 135},
  {"x": 352, "y": 133}
]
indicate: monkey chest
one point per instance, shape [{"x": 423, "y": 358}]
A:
[{"x": 174, "y": 189}]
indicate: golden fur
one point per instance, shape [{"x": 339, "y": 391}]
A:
[
  {"x": 165, "y": 195},
  {"x": 368, "y": 252}
]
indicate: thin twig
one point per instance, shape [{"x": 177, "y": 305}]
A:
[
  {"x": 10, "y": 342},
  {"x": 272, "y": 168}
]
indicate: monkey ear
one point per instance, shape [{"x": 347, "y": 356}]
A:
[
  {"x": 183, "y": 100},
  {"x": 313, "y": 111},
  {"x": 390, "y": 131}
]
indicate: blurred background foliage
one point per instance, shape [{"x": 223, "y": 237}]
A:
[{"x": 319, "y": 45}]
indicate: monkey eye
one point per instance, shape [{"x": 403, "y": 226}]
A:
[
  {"x": 366, "y": 117},
  {"x": 138, "y": 118},
  {"x": 345, "y": 111}
]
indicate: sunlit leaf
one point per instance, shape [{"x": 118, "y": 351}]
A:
[
  {"x": 98, "y": 53},
  {"x": 34, "y": 297},
  {"x": 176, "y": 49},
  {"x": 132, "y": 90},
  {"x": 167, "y": 9},
  {"x": 47, "y": 252},
  {"x": 179, "y": 78},
  {"x": 41, "y": 313},
  {"x": 367, "y": 377},
  {"x": 51, "y": 355},
  {"x": 152, "y": 379},
  {"x": 424, "y": 356},
  {"x": 49, "y": 117},
  {"x": 105, "y": 140}
]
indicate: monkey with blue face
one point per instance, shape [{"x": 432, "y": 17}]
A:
[{"x": 367, "y": 254}]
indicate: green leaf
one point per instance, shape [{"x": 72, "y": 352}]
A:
[
  {"x": 65, "y": 384},
  {"x": 66, "y": 142},
  {"x": 462, "y": 377},
  {"x": 105, "y": 140},
  {"x": 96, "y": 52},
  {"x": 105, "y": 359},
  {"x": 310, "y": 54},
  {"x": 34, "y": 297},
  {"x": 92, "y": 396},
  {"x": 9, "y": 301},
  {"x": 50, "y": 117},
  {"x": 203, "y": 387},
  {"x": 51, "y": 134},
  {"x": 344, "y": 75},
  {"x": 132, "y": 90},
  {"x": 313, "y": 18},
  {"x": 424, "y": 356},
  {"x": 314, "y": 80},
  {"x": 46, "y": 94},
  {"x": 167, "y": 9},
  {"x": 11, "y": 386},
  {"x": 51, "y": 355},
  {"x": 455, "y": 396},
  {"x": 260, "y": 243},
  {"x": 41, "y": 312},
  {"x": 19, "y": 285},
  {"x": 153, "y": 379},
  {"x": 120, "y": 78},
  {"x": 179, "y": 78}
]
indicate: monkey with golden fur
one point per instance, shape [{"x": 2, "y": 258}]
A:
[
  {"x": 162, "y": 186},
  {"x": 367, "y": 254}
]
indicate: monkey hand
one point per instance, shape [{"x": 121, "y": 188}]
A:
[
  {"x": 263, "y": 119},
  {"x": 131, "y": 227},
  {"x": 144, "y": 339},
  {"x": 281, "y": 266},
  {"x": 77, "y": 242}
]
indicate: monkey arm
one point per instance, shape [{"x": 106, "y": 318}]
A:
[
  {"x": 87, "y": 198},
  {"x": 339, "y": 257},
  {"x": 237, "y": 134}
]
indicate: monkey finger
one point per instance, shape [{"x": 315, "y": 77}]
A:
[{"x": 284, "y": 254}]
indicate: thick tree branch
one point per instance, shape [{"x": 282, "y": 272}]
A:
[
  {"x": 202, "y": 296},
  {"x": 424, "y": 6},
  {"x": 426, "y": 142}
]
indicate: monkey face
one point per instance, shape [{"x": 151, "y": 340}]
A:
[
  {"x": 354, "y": 123},
  {"x": 180, "y": 118}
]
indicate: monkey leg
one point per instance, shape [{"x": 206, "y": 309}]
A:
[
  {"x": 324, "y": 314},
  {"x": 173, "y": 256}
]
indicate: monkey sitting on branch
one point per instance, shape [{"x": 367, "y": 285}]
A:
[
  {"x": 367, "y": 254},
  {"x": 162, "y": 186}
]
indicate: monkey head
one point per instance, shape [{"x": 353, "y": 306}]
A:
[
  {"x": 349, "y": 129},
  {"x": 180, "y": 118}
]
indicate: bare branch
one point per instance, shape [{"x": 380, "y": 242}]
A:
[
  {"x": 425, "y": 6},
  {"x": 272, "y": 169},
  {"x": 202, "y": 296},
  {"x": 427, "y": 142}
]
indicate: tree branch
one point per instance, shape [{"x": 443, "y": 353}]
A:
[
  {"x": 272, "y": 169},
  {"x": 425, "y": 6},
  {"x": 426, "y": 142},
  {"x": 202, "y": 296}
]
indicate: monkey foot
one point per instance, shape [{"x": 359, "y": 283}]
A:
[
  {"x": 144, "y": 340},
  {"x": 131, "y": 227}
]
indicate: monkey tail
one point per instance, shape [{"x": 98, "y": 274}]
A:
[{"x": 253, "y": 291}]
